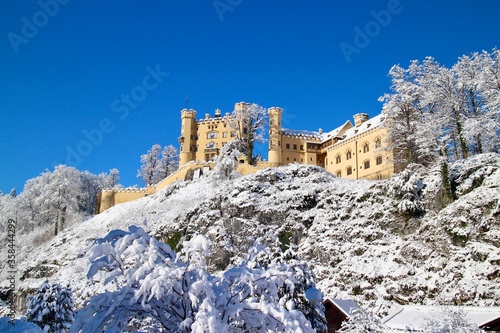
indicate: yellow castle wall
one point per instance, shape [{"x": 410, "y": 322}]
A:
[{"x": 359, "y": 156}]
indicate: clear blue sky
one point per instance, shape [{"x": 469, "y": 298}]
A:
[{"x": 64, "y": 69}]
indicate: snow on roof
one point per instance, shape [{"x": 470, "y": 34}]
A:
[
  {"x": 317, "y": 135},
  {"x": 347, "y": 306},
  {"x": 367, "y": 125},
  {"x": 416, "y": 316},
  {"x": 288, "y": 131}
]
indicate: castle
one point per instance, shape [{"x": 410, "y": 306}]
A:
[{"x": 355, "y": 151}]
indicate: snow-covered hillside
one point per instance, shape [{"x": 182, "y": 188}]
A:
[{"x": 400, "y": 240}]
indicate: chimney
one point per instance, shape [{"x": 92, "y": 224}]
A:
[{"x": 360, "y": 118}]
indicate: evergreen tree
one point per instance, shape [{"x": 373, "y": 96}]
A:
[{"x": 51, "y": 308}]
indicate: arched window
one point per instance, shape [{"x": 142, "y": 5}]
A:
[
  {"x": 349, "y": 171},
  {"x": 348, "y": 155},
  {"x": 378, "y": 143},
  {"x": 338, "y": 173},
  {"x": 338, "y": 159},
  {"x": 378, "y": 160},
  {"x": 366, "y": 147},
  {"x": 366, "y": 164}
]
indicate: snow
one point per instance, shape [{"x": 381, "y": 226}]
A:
[
  {"x": 364, "y": 127},
  {"x": 360, "y": 245},
  {"x": 322, "y": 137},
  {"x": 17, "y": 326},
  {"x": 417, "y": 316},
  {"x": 347, "y": 306}
]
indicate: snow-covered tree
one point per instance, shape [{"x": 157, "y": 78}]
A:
[
  {"x": 227, "y": 161},
  {"x": 150, "y": 165},
  {"x": 362, "y": 321},
  {"x": 51, "y": 308},
  {"x": 169, "y": 161},
  {"x": 54, "y": 196},
  {"x": 151, "y": 282},
  {"x": 157, "y": 164},
  {"x": 449, "y": 320},
  {"x": 404, "y": 114},
  {"x": 248, "y": 122},
  {"x": 174, "y": 292},
  {"x": 453, "y": 111},
  {"x": 407, "y": 189},
  {"x": 489, "y": 88},
  {"x": 93, "y": 184}
]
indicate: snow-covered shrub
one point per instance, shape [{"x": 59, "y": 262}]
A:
[
  {"x": 51, "y": 308},
  {"x": 176, "y": 293},
  {"x": 362, "y": 321},
  {"x": 407, "y": 189},
  {"x": 449, "y": 320}
]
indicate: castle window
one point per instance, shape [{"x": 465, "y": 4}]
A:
[
  {"x": 288, "y": 159},
  {"x": 245, "y": 130},
  {"x": 379, "y": 160},
  {"x": 294, "y": 147},
  {"x": 212, "y": 135},
  {"x": 338, "y": 159},
  {"x": 287, "y": 146},
  {"x": 367, "y": 164},
  {"x": 349, "y": 171},
  {"x": 348, "y": 155},
  {"x": 301, "y": 147},
  {"x": 338, "y": 173},
  {"x": 224, "y": 134},
  {"x": 295, "y": 160},
  {"x": 378, "y": 143},
  {"x": 279, "y": 143},
  {"x": 366, "y": 147}
]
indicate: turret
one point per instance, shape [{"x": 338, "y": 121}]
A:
[
  {"x": 188, "y": 136},
  {"x": 360, "y": 118},
  {"x": 274, "y": 153}
]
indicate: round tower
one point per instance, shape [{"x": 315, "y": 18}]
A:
[
  {"x": 360, "y": 118},
  {"x": 274, "y": 153},
  {"x": 188, "y": 135}
]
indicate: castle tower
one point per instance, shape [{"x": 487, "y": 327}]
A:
[
  {"x": 187, "y": 140},
  {"x": 360, "y": 118},
  {"x": 274, "y": 153}
]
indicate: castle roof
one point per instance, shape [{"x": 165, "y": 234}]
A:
[
  {"x": 322, "y": 136},
  {"x": 364, "y": 127}
]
